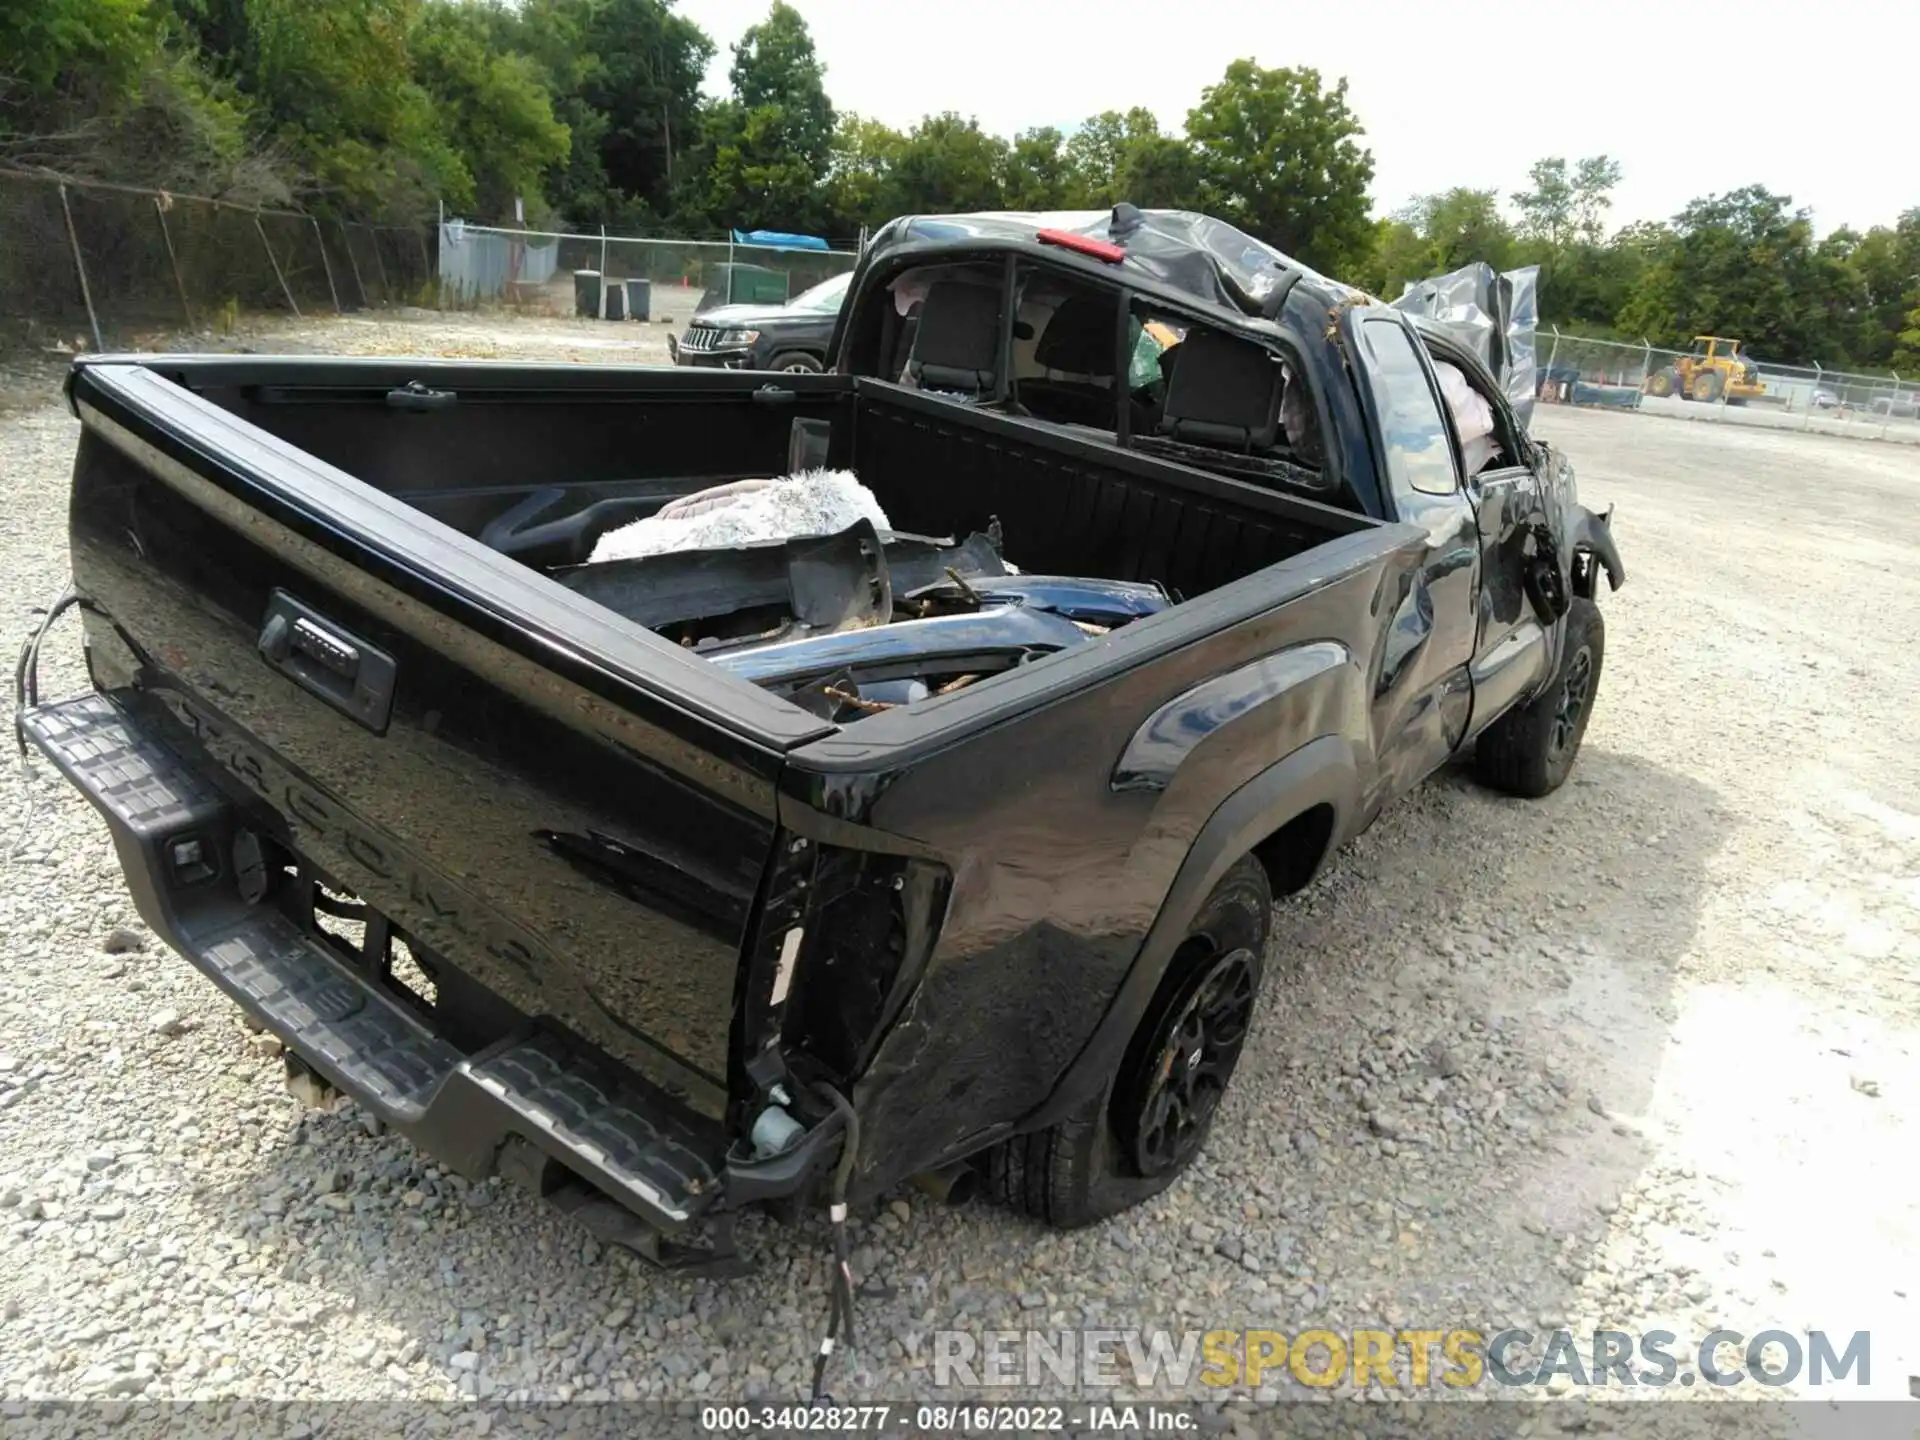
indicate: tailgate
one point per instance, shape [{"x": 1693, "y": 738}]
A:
[{"x": 564, "y": 809}]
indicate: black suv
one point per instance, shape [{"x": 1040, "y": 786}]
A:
[{"x": 792, "y": 336}]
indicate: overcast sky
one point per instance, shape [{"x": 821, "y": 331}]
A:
[{"x": 1816, "y": 98}]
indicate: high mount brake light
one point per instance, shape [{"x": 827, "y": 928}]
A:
[{"x": 1085, "y": 244}]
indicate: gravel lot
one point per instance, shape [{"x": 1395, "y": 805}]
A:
[{"x": 1649, "y": 1060}]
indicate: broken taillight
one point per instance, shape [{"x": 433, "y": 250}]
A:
[{"x": 842, "y": 934}]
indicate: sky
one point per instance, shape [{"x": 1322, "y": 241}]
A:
[{"x": 1814, "y": 99}]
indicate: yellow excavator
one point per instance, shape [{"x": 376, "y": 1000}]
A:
[{"x": 1714, "y": 369}]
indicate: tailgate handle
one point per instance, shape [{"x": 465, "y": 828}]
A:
[
  {"x": 280, "y": 640},
  {"x": 328, "y": 662},
  {"x": 774, "y": 395}
]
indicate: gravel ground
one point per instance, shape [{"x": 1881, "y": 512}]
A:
[{"x": 1649, "y": 1061}]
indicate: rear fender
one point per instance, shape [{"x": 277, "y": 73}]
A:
[{"x": 1322, "y": 772}]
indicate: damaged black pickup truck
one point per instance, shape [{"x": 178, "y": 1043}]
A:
[{"x": 747, "y": 874}]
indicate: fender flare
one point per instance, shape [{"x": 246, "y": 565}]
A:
[{"x": 1321, "y": 772}]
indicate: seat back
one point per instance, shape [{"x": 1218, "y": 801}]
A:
[
  {"x": 1079, "y": 338},
  {"x": 957, "y": 344},
  {"x": 1222, "y": 390}
]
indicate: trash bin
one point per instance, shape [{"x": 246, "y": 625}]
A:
[
  {"x": 616, "y": 299},
  {"x": 640, "y": 300},
  {"x": 586, "y": 294}
]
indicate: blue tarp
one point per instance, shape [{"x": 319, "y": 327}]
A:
[{"x": 775, "y": 240}]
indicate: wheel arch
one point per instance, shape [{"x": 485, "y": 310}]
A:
[{"x": 1291, "y": 816}]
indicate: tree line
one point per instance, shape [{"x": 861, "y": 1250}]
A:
[{"x": 591, "y": 112}]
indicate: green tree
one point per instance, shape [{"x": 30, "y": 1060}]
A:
[
  {"x": 625, "y": 76},
  {"x": 1117, "y": 156},
  {"x": 774, "y": 66},
  {"x": 1546, "y": 211},
  {"x": 1460, "y": 227},
  {"x": 1742, "y": 264},
  {"x": 1098, "y": 151},
  {"x": 1161, "y": 172},
  {"x": 1906, "y": 348},
  {"x": 94, "y": 48},
  {"x": 755, "y": 179},
  {"x": 1433, "y": 234},
  {"x": 1280, "y": 156},
  {"x": 1885, "y": 263},
  {"x": 767, "y": 148},
  {"x": 553, "y": 34},
  {"x": 1594, "y": 180},
  {"x": 1561, "y": 208},
  {"x": 492, "y": 104},
  {"x": 1397, "y": 254},
  {"x": 1585, "y": 286},
  {"x": 111, "y": 89},
  {"x": 1036, "y": 176},
  {"x": 334, "y": 82},
  {"x": 945, "y": 163},
  {"x": 859, "y": 164}
]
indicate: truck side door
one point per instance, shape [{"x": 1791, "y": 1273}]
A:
[
  {"x": 1512, "y": 641},
  {"x": 1422, "y": 690}
]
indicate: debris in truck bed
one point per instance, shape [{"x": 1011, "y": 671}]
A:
[
  {"x": 859, "y": 621},
  {"x": 814, "y": 502},
  {"x": 674, "y": 591}
]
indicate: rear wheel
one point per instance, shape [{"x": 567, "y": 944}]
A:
[
  {"x": 1662, "y": 383},
  {"x": 796, "y": 362},
  {"x": 1530, "y": 750},
  {"x": 1132, "y": 1141}
]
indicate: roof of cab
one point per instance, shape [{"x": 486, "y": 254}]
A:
[{"x": 1197, "y": 257}]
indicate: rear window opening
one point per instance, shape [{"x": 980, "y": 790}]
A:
[
  {"x": 942, "y": 332},
  {"x": 1220, "y": 401},
  {"x": 1088, "y": 357}
]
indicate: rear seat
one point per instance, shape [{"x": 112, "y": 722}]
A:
[
  {"x": 956, "y": 347},
  {"x": 1222, "y": 391}
]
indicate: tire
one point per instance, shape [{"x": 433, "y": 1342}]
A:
[
  {"x": 1135, "y": 1138},
  {"x": 1529, "y": 751},
  {"x": 1707, "y": 386},
  {"x": 796, "y": 362}
]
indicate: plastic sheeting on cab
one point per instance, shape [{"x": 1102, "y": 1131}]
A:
[
  {"x": 1495, "y": 315},
  {"x": 1207, "y": 258}
]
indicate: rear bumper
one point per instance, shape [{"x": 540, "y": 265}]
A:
[{"x": 538, "y": 1103}]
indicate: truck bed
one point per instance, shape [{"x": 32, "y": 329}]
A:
[{"x": 586, "y": 832}]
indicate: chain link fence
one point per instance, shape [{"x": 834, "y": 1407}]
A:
[
  {"x": 558, "y": 273},
  {"x": 93, "y": 262},
  {"x": 1740, "y": 390}
]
